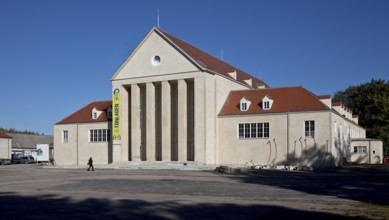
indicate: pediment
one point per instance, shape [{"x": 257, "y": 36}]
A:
[{"x": 155, "y": 56}]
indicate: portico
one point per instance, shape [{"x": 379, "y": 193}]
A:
[{"x": 158, "y": 121}]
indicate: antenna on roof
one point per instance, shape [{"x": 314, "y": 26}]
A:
[
  {"x": 158, "y": 18},
  {"x": 221, "y": 53}
]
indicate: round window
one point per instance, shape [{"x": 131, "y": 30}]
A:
[{"x": 155, "y": 60}]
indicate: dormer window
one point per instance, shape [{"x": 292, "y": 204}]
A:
[
  {"x": 95, "y": 113},
  {"x": 244, "y": 104},
  {"x": 267, "y": 103}
]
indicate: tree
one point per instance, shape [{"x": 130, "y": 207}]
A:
[{"x": 370, "y": 101}]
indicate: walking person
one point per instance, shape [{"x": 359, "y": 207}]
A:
[{"x": 90, "y": 163}]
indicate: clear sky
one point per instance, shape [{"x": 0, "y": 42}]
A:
[{"x": 57, "y": 56}]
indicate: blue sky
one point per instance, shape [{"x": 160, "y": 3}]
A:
[{"x": 56, "y": 56}]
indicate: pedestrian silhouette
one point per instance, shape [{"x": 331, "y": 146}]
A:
[{"x": 90, "y": 163}]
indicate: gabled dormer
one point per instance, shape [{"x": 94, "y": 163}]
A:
[
  {"x": 96, "y": 113},
  {"x": 244, "y": 104},
  {"x": 267, "y": 103}
]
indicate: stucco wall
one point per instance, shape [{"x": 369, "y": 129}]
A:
[
  {"x": 373, "y": 155},
  {"x": 286, "y": 145},
  {"x": 5, "y": 147},
  {"x": 343, "y": 131},
  {"x": 79, "y": 149}
]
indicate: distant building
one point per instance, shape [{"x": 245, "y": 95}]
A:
[
  {"x": 26, "y": 144},
  {"x": 5, "y": 145},
  {"x": 175, "y": 102}
]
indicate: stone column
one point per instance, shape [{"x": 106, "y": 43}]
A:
[
  {"x": 182, "y": 120},
  {"x": 150, "y": 122},
  {"x": 135, "y": 123},
  {"x": 166, "y": 121},
  {"x": 124, "y": 123},
  {"x": 199, "y": 119}
]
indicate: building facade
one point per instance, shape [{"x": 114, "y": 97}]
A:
[
  {"x": 5, "y": 145},
  {"x": 174, "y": 102},
  {"x": 83, "y": 134}
]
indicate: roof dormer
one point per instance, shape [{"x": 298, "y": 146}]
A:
[
  {"x": 233, "y": 75},
  {"x": 249, "y": 82},
  {"x": 267, "y": 103},
  {"x": 96, "y": 113},
  {"x": 244, "y": 104}
]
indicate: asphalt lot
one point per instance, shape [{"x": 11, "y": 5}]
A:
[{"x": 34, "y": 192}]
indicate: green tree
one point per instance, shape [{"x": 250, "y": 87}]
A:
[{"x": 370, "y": 101}]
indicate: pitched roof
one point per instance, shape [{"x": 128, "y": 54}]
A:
[
  {"x": 4, "y": 135},
  {"x": 286, "y": 99},
  {"x": 84, "y": 115},
  {"x": 211, "y": 63},
  {"x": 29, "y": 141}
]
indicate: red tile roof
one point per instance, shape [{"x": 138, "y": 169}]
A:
[
  {"x": 211, "y": 63},
  {"x": 84, "y": 115},
  {"x": 285, "y": 99},
  {"x": 4, "y": 135}
]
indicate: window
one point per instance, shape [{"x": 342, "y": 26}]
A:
[
  {"x": 310, "y": 129},
  {"x": 266, "y": 105},
  {"x": 267, "y": 102},
  {"x": 156, "y": 60},
  {"x": 99, "y": 135},
  {"x": 243, "y": 106},
  {"x": 253, "y": 130},
  {"x": 94, "y": 115},
  {"x": 65, "y": 136},
  {"x": 360, "y": 150}
]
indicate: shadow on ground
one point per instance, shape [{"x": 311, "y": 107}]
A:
[
  {"x": 368, "y": 184},
  {"x": 51, "y": 207}
]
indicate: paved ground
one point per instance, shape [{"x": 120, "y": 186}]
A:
[{"x": 33, "y": 192}]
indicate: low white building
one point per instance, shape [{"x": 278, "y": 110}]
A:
[
  {"x": 175, "y": 102},
  {"x": 84, "y": 134}
]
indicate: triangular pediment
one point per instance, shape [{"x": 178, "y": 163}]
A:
[{"x": 156, "y": 55}]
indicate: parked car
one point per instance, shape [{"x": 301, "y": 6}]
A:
[
  {"x": 27, "y": 159},
  {"x": 386, "y": 159},
  {"x": 5, "y": 161},
  {"x": 15, "y": 158}
]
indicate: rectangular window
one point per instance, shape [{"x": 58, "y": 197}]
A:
[
  {"x": 266, "y": 105},
  {"x": 253, "y": 130},
  {"x": 99, "y": 135},
  {"x": 244, "y": 106},
  {"x": 65, "y": 136},
  {"x": 360, "y": 150},
  {"x": 310, "y": 129}
]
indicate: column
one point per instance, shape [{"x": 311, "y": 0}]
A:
[
  {"x": 199, "y": 119},
  {"x": 182, "y": 120},
  {"x": 135, "y": 123},
  {"x": 166, "y": 121},
  {"x": 150, "y": 122},
  {"x": 124, "y": 123}
]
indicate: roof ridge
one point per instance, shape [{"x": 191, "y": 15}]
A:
[{"x": 203, "y": 63}]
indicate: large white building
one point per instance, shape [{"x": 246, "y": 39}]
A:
[{"x": 174, "y": 102}]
